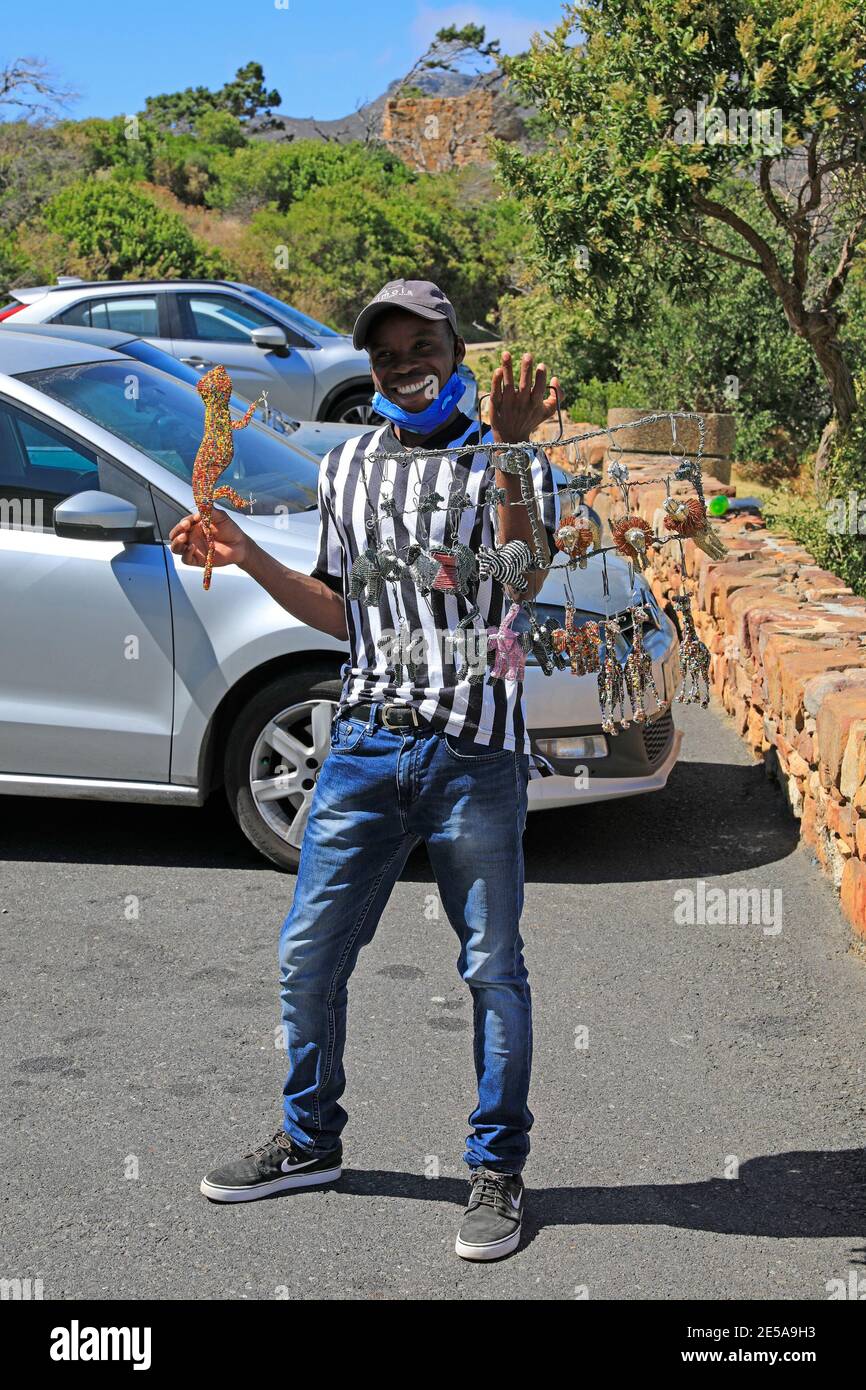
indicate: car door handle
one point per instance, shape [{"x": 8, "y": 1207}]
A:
[{"x": 197, "y": 362}]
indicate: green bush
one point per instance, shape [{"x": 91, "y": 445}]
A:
[
  {"x": 265, "y": 175},
  {"x": 831, "y": 529},
  {"x": 343, "y": 242},
  {"x": 36, "y": 161},
  {"x": 116, "y": 231}
]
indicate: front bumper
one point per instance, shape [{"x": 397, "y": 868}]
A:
[{"x": 640, "y": 760}]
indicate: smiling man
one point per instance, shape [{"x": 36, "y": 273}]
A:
[{"x": 418, "y": 753}]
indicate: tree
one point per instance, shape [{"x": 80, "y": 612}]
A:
[
  {"x": 450, "y": 48},
  {"x": 244, "y": 97},
  {"x": 29, "y": 85},
  {"x": 666, "y": 124}
]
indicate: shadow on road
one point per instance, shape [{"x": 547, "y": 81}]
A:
[
  {"x": 712, "y": 818},
  {"x": 803, "y": 1194}
]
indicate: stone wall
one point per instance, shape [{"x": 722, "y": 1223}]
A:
[
  {"x": 788, "y": 644},
  {"x": 433, "y": 134}
]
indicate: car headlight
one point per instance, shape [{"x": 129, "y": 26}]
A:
[{"x": 579, "y": 747}]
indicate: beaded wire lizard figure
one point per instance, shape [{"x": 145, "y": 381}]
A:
[{"x": 216, "y": 452}]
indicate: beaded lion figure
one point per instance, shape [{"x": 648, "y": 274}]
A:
[{"x": 216, "y": 452}]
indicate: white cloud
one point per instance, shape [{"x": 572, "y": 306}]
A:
[{"x": 513, "y": 31}]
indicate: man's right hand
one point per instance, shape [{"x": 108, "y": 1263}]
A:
[{"x": 231, "y": 545}]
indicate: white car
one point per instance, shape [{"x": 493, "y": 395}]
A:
[{"x": 121, "y": 679}]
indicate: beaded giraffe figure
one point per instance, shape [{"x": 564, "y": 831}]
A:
[
  {"x": 638, "y": 673},
  {"x": 695, "y": 656},
  {"x": 216, "y": 452}
]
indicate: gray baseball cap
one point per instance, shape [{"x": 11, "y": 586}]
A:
[{"x": 419, "y": 297}]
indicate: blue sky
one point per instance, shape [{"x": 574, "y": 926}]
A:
[{"x": 325, "y": 57}]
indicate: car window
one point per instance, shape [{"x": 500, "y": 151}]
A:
[
  {"x": 222, "y": 318},
  {"x": 164, "y": 419},
  {"x": 39, "y": 468},
  {"x": 124, "y": 313},
  {"x": 295, "y": 316}
]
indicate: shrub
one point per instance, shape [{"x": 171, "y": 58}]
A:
[{"x": 116, "y": 231}]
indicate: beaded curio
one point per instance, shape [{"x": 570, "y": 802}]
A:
[{"x": 215, "y": 453}]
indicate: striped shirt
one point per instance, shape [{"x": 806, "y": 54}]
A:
[{"x": 491, "y": 712}]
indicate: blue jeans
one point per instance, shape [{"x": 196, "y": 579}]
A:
[{"x": 379, "y": 793}]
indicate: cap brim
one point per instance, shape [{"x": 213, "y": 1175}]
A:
[{"x": 368, "y": 316}]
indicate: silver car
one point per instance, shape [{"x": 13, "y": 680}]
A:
[
  {"x": 311, "y": 436},
  {"x": 308, "y": 370},
  {"x": 122, "y": 679}
]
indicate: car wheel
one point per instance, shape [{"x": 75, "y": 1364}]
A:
[
  {"x": 276, "y": 747},
  {"x": 355, "y": 409}
]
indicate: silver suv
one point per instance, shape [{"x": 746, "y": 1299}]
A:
[{"x": 309, "y": 371}]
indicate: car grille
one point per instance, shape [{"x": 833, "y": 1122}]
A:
[{"x": 657, "y": 737}]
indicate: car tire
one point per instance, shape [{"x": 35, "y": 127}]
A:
[
  {"x": 284, "y": 710},
  {"x": 355, "y": 409}
]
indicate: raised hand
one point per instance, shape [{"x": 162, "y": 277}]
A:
[{"x": 515, "y": 411}]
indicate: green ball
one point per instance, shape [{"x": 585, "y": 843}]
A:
[{"x": 718, "y": 505}]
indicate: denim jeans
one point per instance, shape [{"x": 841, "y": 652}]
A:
[{"x": 379, "y": 793}]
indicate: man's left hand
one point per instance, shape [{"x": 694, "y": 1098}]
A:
[{"x": 515, "y": 411}]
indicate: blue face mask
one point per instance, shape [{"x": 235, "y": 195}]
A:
[{"x": 423, "y": 421}]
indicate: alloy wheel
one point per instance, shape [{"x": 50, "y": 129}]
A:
[{"x": 284, "y": 765}]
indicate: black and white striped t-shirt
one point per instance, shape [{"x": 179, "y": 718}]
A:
[{"x": 491, "y": 711}]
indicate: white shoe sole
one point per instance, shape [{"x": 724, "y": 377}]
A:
[
  {"x": 286, "y": 1184},
  {"x": 488, "y": 1252}
]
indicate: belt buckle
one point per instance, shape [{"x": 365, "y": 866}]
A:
[{"x": 386, "y": 709}]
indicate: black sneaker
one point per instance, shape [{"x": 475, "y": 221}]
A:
[
  {"x": 275, "y": 1167},
  {"x": 491, "y": 1223}
]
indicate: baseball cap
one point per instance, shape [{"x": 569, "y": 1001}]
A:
[{"x": 419, "y": 297}]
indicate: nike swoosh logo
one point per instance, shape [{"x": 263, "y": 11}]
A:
[
  {"x": 515, "y": 1202},
  {"x": 287, "y": 1166}
]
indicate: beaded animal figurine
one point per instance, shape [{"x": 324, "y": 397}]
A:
[
  {"x": 399, "y": 650},
  {"x": 632, "y": 537},
  {"x": 510, "y": 655},
  {"x": 215, "y": 453},
  {"x": 541, "y": 643},
  {"x": 506, "y": 563},
  {"x": 687, "y": 518},
  {"x": 639, "y": 668},
  {"x": 695, "y": 658},
  {"x": 576, "y": 537},
  {"x": 611, "y": 681},
  {"x": 471, "y": 670},
  {"x": 580, "y": 643}
]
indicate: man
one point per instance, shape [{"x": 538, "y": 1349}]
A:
[{"x": 417, "y": 753}]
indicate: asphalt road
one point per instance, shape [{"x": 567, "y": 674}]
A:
[{"x": 706, "y": 1143}]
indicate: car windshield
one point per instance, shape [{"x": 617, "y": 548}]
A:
[
  {"x": 294, "y": 316},
  {"x": 144, "y": 351},
  {"x": 163, "y": 418}
]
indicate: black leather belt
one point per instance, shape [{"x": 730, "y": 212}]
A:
[{"x": 391, "y": 716}]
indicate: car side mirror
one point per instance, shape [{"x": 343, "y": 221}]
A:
[
  {"x": 269, "y": 338},
  {"x": 100, "y": 516}
]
